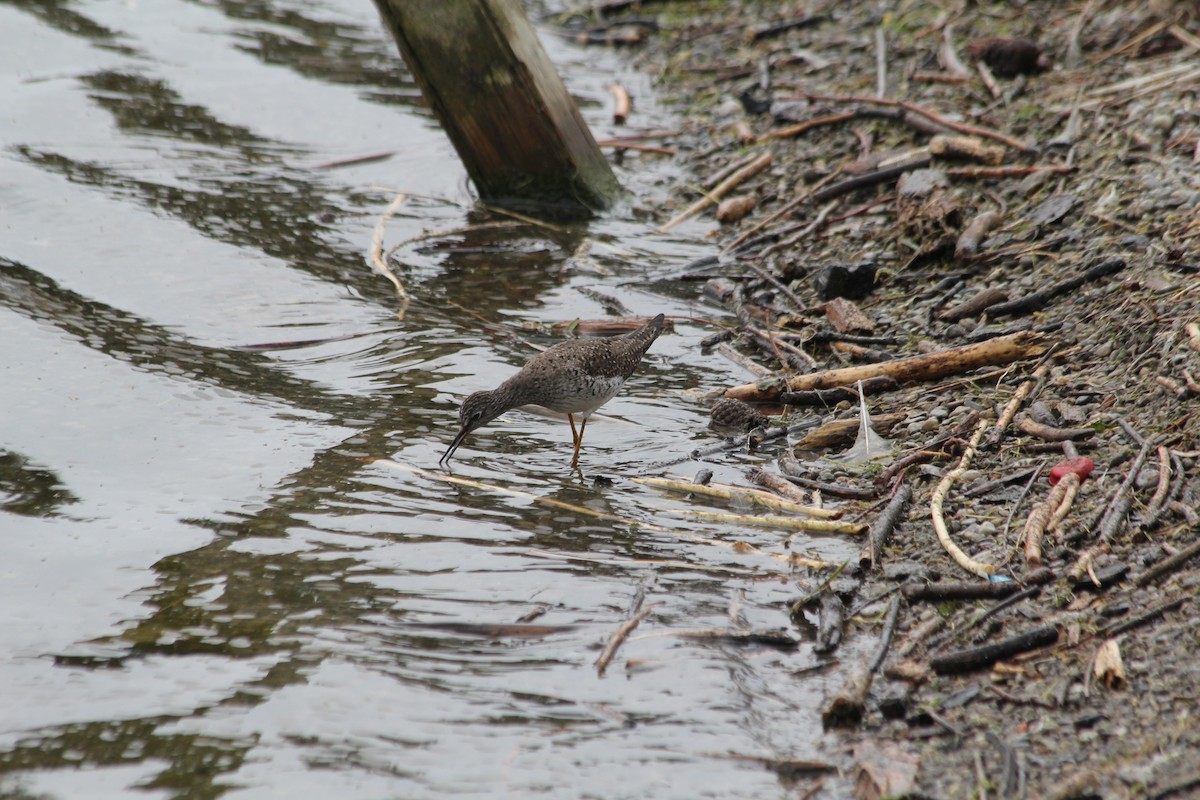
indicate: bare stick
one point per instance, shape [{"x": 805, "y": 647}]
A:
[
  {"x": 985, "y": 655},
  {"x": 799, "y": 523},
  {"x": 847, "y": 705},
  {"x": 800, "y": 127},
  {"x": 724, "y": 492},
  {"x": 880, "y": 62},
  {"x": 1038, "y": 299},
  {"x": 936, "y": 118},
  {"x": 872, "y": 552},
  {"x": 929, "y": 366},
  {"x": 750, "y": 170},
  {"x": 937, "y": 500},
  {"x": 377, "y": 253},
  {"x": 1014, "y": 403},
  {"x": 620, "y": 635},
  {"x": 621, "y": 103}
]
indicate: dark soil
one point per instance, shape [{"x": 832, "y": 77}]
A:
[{"x": 1117, "y": 115}]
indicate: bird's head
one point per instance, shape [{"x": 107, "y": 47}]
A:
[{"x": 477, "y": 410}]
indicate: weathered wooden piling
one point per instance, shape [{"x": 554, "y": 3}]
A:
[{"x": 498, "y": 97}]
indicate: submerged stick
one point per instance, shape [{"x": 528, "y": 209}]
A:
[
  {"x": 377, "y": 253},
  {"x": 725, "y": 492},
  {"x": 820, "y": 525},
  {"x": 621, "y": 634}
]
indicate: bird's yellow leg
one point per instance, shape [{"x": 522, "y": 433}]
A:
[{"x": 575, "y": 438}]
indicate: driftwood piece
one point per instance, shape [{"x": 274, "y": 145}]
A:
[
  {"x": 778, "y": 484},
  {"x": 1116, "y": 629},
  {"x": 938, "y": 592},
  {"x": 930, "y": 366},
  {"x": 1039, "y": 299},
  {"x": 1051, "y": 433},
  {"x": 872, "y": 552},
  {"x": 839, "y": 432},
  {"x": 736, "y": 493},
  {"x": 988, "y": 654},
  {"x": 846, "y": 707}
]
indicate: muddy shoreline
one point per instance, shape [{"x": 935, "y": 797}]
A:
[{"x": 937, "y": 177}]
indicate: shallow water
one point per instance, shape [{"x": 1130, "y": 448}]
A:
[{"x": 218, "y": 574}]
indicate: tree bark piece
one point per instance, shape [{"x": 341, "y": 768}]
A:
[{"x": 931, "y": 366}]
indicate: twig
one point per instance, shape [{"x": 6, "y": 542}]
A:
[
  {"x": 377, "y": 253},
  {"x": 985, "y": 655},
  {"x": 880, "y": 62},
  {"x": 753, "y": 168},
  {"x": 868, "y": 179},
  {"x": 1038, "y": 299},
  {"x": 1152, "y": 614},
  {"x": 936, "y": 118},
  {"x": 937, "y": 592},
  {"x": 620, "y": 635},
  {"x": 1168, "y": 564},
  {"x": 1006, "y": 172},
  {"x": 872, "y": 552},
  {"x": 799, "y": 128},
  {"x": 800, "y": 523},
  {"x": 790, "y": 206},
  {"x": 1014, "y": 403},
  {"x": 803, "y": 233},
  {"x": 938, "y": 499},
  {"x": 1122, "y": 501}
]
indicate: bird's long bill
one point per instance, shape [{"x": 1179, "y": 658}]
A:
[{"x": 462, "y": 434}]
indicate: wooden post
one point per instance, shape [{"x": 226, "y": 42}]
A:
[{"x": 499, "y": 99}]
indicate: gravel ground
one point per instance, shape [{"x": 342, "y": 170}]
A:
[{"x": 1087, "y": 165}]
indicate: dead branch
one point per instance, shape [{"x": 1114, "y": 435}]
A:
[
  {"x": 1039, "y": 299},
  {"x": 639, "y": 613},
  {"x": 973, "y": 130},
  {"x": 988, "y": 654},
  {"x": 799, "y": 128},
  {"x": 1168, "y": 565},
  {"x": 872, "y": 552},
  {"x": 930, "y": 366},
  {"x": 729, "y": 184}
]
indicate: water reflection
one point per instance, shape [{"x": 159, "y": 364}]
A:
[
  {"x": 214, "y": 584},
  {"x": 28, "y": 489}
]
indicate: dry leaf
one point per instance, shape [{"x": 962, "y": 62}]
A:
[{"x": 883, "y": 770}]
